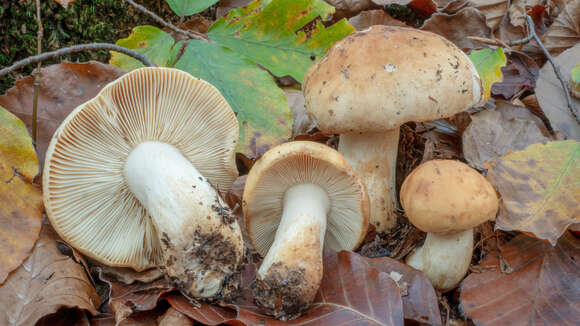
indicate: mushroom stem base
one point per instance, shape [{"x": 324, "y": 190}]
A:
[
  {"x": 444, "y": 259},
  {"x": 373, "y": 156},
  {"x": 290, "y": 274}
]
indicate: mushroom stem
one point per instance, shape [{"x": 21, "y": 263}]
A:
[
  {"x": 201, "y": 239},
  {"x": 373, "y": 156},
  {"x": 290, "y": 274},
  {"x": 444, "y": 259}
]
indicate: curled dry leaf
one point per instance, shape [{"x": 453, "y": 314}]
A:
[
  {"x": 420, "y": 303},
  {"x": 539, "y": 189},
  {"x": 174, "y": 318},
  {"x": 519, "y": 75},
  {"x": 528, "y": 282},
  {"x": 551, "y": 97},
  {"x": 45, "y": 283},
  {"x": 494, "y": 10},
  {"x": 349, "y": 8},
  {"x": 20, "y": 200},
  {"x": 457, "y": 27},
  {"x": 128, "y": 275},
  {"x": 301, "y": 123},
  {"x": 492, "y": 134},
  {"x": 125, "y": 300},
  {"x": 63, "y": 87},
  {"x": 565, "y": 31},
  {"x": 519, "y": 9},
  {"x": 370, "y": 18}
]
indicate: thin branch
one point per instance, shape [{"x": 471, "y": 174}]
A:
[
  {"x": 73, "y": 49},
  {"x": 190, "y": 34},
  {"x": 39, "y": 35}
]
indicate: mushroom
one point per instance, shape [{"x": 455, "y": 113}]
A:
[
  {"x": 130, "y": 180},
  {"x": 446, "y": 199},
  {"x": 298, "y": 198},
  {"x": 373, "y": 81}
]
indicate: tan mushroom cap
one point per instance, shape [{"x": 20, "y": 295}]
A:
[
  {"x": 305, "y": 162},
  {"x": 377, "y": 79},
  {"x": 445, "y": 196},
  {"x": 85, "y": 194}
]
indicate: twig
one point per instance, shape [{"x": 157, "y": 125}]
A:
[
  {"x": 532, "y": 35},
  {"x": 36, "y": 83},
  {"x": 73, "y": 49},
  {"x": 190, "y": 34}
]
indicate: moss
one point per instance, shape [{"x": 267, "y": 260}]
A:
[{"x": 85, "y": 21}]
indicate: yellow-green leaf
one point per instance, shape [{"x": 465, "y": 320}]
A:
[
  {"x": 540, "y": 189},
  {"x": 268, "y": 33},
  {"x": 189, "y": 7},
  {"x": 488, "y": 63},
  {"x": 20, "y": 201},
  {"x": 260, "y": 105},
  {"x": 150, "y": 41}
]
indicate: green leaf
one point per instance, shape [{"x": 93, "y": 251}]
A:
[
  {"x": 488, "y": 63},
  {"x": 189, "y": 7},
  {"x": 575, "y": 73},
  {"x": 267, "y": 32},
  {"x": 263, "y": 114},
  {"x": 150, "y": 41}
]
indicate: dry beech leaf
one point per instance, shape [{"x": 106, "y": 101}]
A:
[
  {"x": 420, "y": 303},
  {"x": 20, "y": 200},
  {"x": 63, "y": 87},
  {"x": 539, "y": 189},
  {"x": 351, "y": 293},
  {"x": 46, "y": 282},
  {"x": 493, "y": 133},
  {"x": 494, "y": 10},
  {"x": 551, "y": 97},
  {"x": 301, "y": 123},
  {"x": 349, "y": 8},
  {"x": 128, "y": 275},
  {"x": 370, "y": 18},
  {"x": 457, "y": 27},
  {"x": 125, "y": 299},
  {"x": 174, "y": 318},
  {"x": 565, "y": 31},
  {"x": 519, "y": 75},
  {"x": 539, "y": 285},
  {"x": 519, "y": 9}
]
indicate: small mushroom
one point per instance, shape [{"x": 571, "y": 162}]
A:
[
  {"x": 446, "y": 199},
  {"x": 373, "y": 81},
  {"x": 130, "y": 180},
  {"x": 300, "y": 197}
]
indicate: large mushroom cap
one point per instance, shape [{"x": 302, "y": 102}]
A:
[
  {"x": 445, "y": 196},
  {"x": 377, "y": 79},
  {"x": 86, "y": 197},
  {"x": 304, "y": 162}
]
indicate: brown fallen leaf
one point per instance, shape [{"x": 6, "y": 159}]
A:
[
  {"x": 45, "y": 283},
  {"x": 542, "y": 287},
  {"x": 420, "y": 303},
  {"x": 539, "y": 189},
  {"x": 127, "y": 275},
  {"x": 301, "y": 123},
  {"x": 20, "y": 200},
  {"x": 174, "y": 318},
  {"x": 519, "y": 9},
  {"x": 494, "y": 10},
  {"x": 206, "y": 314},
  {"x": 370, "y": 18},
  {"x": 457, "y": 27},
  {"x": 63, "y": 87},
  {"x": 519, "y": 75},
  {"x": 565, "y": 31},
  {"x": 493, "y": 133},
  {"x": 349, "y": 8},
  {"x": 551, "y": 97},
  {"x": 424, "y": 8},
  {"x": 125, "y": 300}
]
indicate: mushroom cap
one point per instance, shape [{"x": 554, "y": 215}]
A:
[
  {"x": 446, "y": 196},
  {"x": 377, "y": 79},
  {"x": 85, "y": 194},
  {"x": 305, "y": 162}
]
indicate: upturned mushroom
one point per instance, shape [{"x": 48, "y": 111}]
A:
[
  {"x": 300, "y": 197},
  {"x": 130, "y": 180},
  {"x": 446, "y": 199},
  {"x": 373, "y": 81}
]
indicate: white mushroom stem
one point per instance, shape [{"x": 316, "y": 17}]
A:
[
  {"x": 201, "y": 241},
  {"x": 373, "y": 156},
  {"x": 290, "y": 274},
  {"x": 444, "y": 259}
]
